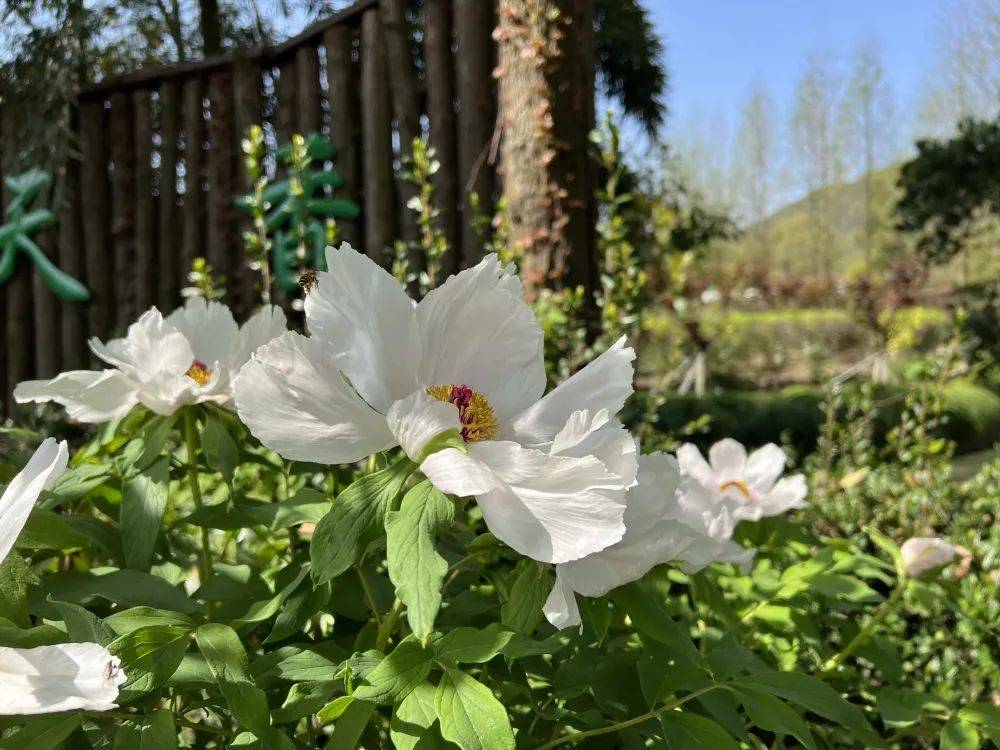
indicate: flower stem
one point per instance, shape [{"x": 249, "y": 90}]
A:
[
  {"x": 191, "y": 441},
  {"x": 866, "y": 632},
  {"x": 669, "y": 706},
  {"x": 388, "y": 625}
]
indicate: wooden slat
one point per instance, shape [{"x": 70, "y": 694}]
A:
[
  {"x": 193, "y": 205},
  {"x": 441, "y": 112},
  {"x": 345, "y": 132},
  {"x": 247, "y": 101},
  {"x": 95, "y": 216},
  {"x": 123, "y": 210},
  {"x": 376, "y": 127},
  {"x": 476, "y": 115},
  {"x": 286, "y": 108},
  {"x": 19, "y": 350},
  {"x": 405, "y": 108},
  {"x": 262, "y": 55},
  {"x": 169, "y": 249},
  {"x": 45, "y": 308},
  {"x": 307, "y": 91},
  {"x": 73, "y": 323},
  {"x": 221, "y": 187},
  {"x": 146, "y": 262}
]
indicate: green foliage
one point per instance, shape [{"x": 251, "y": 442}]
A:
[
  {"x": 294, "y": 217},
  {"x": 946, "y": 184}
]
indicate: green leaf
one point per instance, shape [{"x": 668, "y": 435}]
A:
[
  {"x": 770, "y": 714},
  {"x": 83, "y": 625},
  {"x": 410, "y": 727},
  {"x": 303, "y": 603},
  {"x": 355, "y": 520},
  {"x": 43, "y": 732},
  {"x": 155, "y": 731},
  {"x": 149, "y": 656},
  {"x": 470, "y": 645},
  {"x": 74, "y": 484},
  {"x": 689, "y": 731},
  {"x": 220, "y": 450},
  {"x": 397, "y": 674},
  {"x": 645, "y": 608},
  {"x": 48, "y": 530},
  {"x": 522, "y": 611},
  {"x": 351, "y": 724},
  {"x": 815, "y": 695},
  {"x": 265, "y": 610},
  {"x": 470, "y": 715},
  {"x": 959, "y": 735},
  {"x": 144, "y": 501},
  {"x": 305, "y": 699},
  {"x": 222, "y": 649},
  {"x": 127, "y": 588},
  {"x": 984, "y": 714},
  {"x": 140, "y": 617},
  {"x": 334, "y": 709},
  {"x": 902, "y": 708},
  {"x": 415, "y": 567}
]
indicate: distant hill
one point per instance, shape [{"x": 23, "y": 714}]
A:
[{"x": 785, "y": 239}]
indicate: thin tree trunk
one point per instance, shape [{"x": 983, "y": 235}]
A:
[{"x": 211, "y": 27}]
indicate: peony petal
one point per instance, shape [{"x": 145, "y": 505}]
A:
[
  {"x": 603, "y": 384},
  {"x": 265, "y": 325},
  {"x": 728, "y": 459},
  {"x": 654, "y": 497},
  {"x": 417, "y": 419},
  {"x": 788, "y": 493},
  {"x": 477, "y": 331},
  {"x": 293, "y": 398},
  {"x": 65, "y": 677},
  {"x": 550, "y": 508},
  {"x": 764, "y": 466},
  {"x": 361, "y": 310},
  {"x": 560, "y": 607},
  {"x": 150, "y": 348},
  {"x": 209, "y": 328},
  {"x": 458, "y": 473},
  {"x": 88, "y": 396},
  {"x": 42, "y": 470},
  {"x": 598, "y": 435},
  {"x": 694, "y": 465}
]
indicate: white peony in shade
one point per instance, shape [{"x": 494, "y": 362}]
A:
[
  {"x": 922, "y": 554},
  {"x": 752, "y": 482},
  {"x": 65, "y": 677},
  {"x": 378, "y": 370},
  {"x": 189, "y": 357},
  {"x": 42, "y": 470},
  {"x": 667, "y": 519}
]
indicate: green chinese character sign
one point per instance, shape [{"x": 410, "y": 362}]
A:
[{"x": 22, "y": 223}]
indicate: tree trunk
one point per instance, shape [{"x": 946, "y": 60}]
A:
[
  {"x": 211, "y": 27},
  {"x": 546, "y": 89}
]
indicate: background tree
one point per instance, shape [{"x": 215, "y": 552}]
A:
[
  {"x": 867, "y": 117},
  {"x": 817, "y": 148},
  {"x": 754, "y": 165},
  {"x": 950, "y": 187}
]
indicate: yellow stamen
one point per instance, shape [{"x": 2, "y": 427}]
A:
[
  {"x": 199, "y": 372},
  {"x": 738, "y": 484},
  {"x": 479, "y": 422}
]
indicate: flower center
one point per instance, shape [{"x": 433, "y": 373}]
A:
[
  {"x": 479, "y": 422},
  {"x": 199, "y": 372},
  {"x": 737, "y": 484}
]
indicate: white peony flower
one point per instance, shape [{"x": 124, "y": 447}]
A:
[
  {"x": 190, "y": 357},
  {"x": 43, "y": 469},
  {"x": 667, "y": 519},
  {"x": 753, "y": 482},
  {"x": 65, "y": 677},
  {"x": 465, "y": 365},
  {"x": 922, "y": 554}
]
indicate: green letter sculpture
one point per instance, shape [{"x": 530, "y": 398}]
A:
[{"x": 15, "y": 236}]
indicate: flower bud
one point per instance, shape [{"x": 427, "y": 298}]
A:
[{"x": 922, "y": 554}]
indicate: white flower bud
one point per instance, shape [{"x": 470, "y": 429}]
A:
[{"x": 922, "y": 554}]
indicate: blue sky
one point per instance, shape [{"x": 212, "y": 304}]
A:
[{"x": 717, "y": 48}]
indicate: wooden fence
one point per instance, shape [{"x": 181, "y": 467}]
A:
[{"x": 159, "y": 164}]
